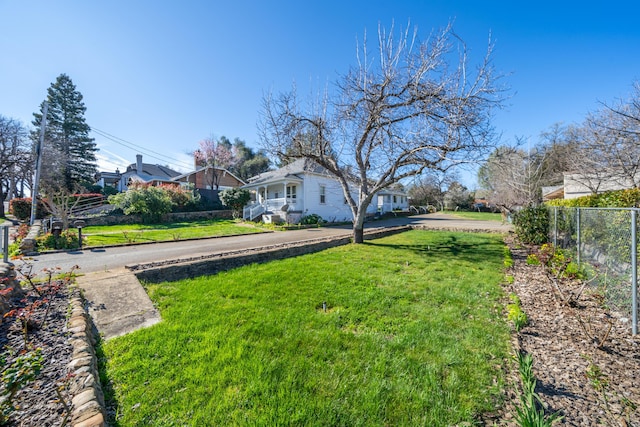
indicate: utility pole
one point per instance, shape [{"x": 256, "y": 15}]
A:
[{"x": 36, "y": 179}]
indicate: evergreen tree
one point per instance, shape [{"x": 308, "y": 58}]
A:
[{"x": 69, "y": 154}]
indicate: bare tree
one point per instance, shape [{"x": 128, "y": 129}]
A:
[
  {"x": 15, "y": 156},
  {"x": 606, "y": 147},
  {"x": 398, "y": 112},
  {"x": 430, "y": 188},
  {"x": 212, "y": 155},
  {"x": 512, "y": 177}
]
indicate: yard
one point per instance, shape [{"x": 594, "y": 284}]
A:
[
  {"x": 404, "y": 330},
  {"x": 138, "y": 233},
  {"x": 484, "y": 216}
]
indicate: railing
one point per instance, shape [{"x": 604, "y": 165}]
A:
[
  {"x": 250, "y": 212},
  {"x": 607, "y": 240},
  {"x": 275, "y": 205}
]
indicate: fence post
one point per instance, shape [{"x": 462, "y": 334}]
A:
[
  {"x": 634, "y": 272},
  {"x": 555, "y": 226},
  {"x": 5, "y": 243},
  {"x": 578, "y": 233}
]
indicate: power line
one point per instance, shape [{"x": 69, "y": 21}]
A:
[{"x": 141, "y": 149}]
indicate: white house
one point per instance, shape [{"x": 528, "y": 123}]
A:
[
  {"x": 579, "y": 184},
  {"x": 303, "y": 188}
]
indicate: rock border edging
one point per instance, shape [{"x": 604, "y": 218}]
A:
[{"x": 88, "y": 398}]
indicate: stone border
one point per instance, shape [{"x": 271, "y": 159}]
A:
[{"x": 88, "y": 399}]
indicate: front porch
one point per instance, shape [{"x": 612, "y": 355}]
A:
[{"x": 275, "y": 199}]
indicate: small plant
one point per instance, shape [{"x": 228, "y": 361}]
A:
[
  {"x": 532, "y": 259},
  {"x": 131, "y": 237},
  {"x": 311, "y": 219},
  {"x": 531, "y": 413},
  {"x": 508, "y": 259},
  {"x": 510, "y": 279},
  {"x": 22, "y": 371},
  {"x": 515, "y": 313},
  {"x": 596, "y": 377}
]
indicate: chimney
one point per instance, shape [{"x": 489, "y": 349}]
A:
[{"x": 139, "y": 163}]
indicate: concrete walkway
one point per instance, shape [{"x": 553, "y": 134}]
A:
[{"x": 119, "y": 304}]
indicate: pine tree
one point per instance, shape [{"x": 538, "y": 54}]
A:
[{"x": 69, "y": 154}]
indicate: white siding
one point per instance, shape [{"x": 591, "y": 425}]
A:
[{"x": 334, "y": 208}]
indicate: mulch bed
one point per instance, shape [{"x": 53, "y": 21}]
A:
[
  {"x": 586, "y": 361},
  {"x": 38, "y": 403}
]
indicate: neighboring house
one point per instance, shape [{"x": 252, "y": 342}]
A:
[
  {"x": 303, "y": 188},
  {"x": 577, "y": 184},
  {"x": 200, "y": 178},
  {"x": 202, "y": 181},
  {"x": 136, "y": 172},
  {"x": 552, "y": 192}
]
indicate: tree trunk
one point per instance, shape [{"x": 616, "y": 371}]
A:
[
  {"x": 358, "y": 234},
  {"x": 358, "y": 226}
]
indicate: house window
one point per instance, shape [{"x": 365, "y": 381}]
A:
[
  {"x": 291, "y": 192},
  {"x": 394, "y": 199},
  {"x": 323, "y": 194}
]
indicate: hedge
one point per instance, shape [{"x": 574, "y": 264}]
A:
[{"x": 610, "y": 199}]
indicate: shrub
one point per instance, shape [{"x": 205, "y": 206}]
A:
[
  {"x": 183, "y": 199},
  {"x": 68, "y": 239},
  {"x": 311, "y": 219},
  {"x": 532, "y": 225},
  {"x": 236, "y": 199},
  {"x": 21, "y": 209},
  {"x": 532, "y": 259},
  {"x": 610, "y": 199},
  {"x": 145, "y": 200},
  {"x": 515, "y": 313}
]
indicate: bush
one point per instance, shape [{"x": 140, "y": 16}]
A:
[
  {"x": 68, "y": 239},
  {"x": 532, "y": 225},
  {"x": 142, "y": 199},
  {"x": 609, "y": 199},
  {"x": 236, "y": 199},
  {"x": 311, "y": 219},
  {"x": 183, "y": 199},
  {"x": 21, "y": 209}
]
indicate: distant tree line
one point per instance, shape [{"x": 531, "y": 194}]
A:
[{"x": 603, "y": 148}]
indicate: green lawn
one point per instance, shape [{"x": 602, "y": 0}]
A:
[
  {"x": 136, "y": 233},
  {"x": 413, "y": 335},
  {"x": 484, "y": 216}
]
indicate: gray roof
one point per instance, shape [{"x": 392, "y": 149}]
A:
[
  {"x": 156, "y": 171},
  {"x": 291, "y": 170}
]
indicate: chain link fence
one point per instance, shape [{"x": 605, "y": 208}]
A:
[{"x": 604, "y": 242}]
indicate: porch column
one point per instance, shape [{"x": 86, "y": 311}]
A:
[{"x": 285, "y": 192}]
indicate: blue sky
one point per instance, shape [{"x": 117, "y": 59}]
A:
[{"x": 163, "y": 75}]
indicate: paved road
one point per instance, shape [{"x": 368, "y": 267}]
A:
[{"x": 103, "y": 259}]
